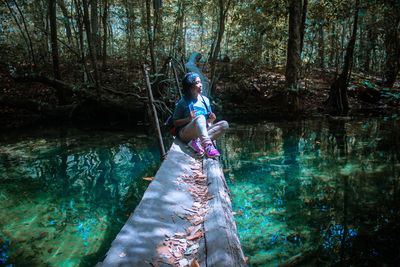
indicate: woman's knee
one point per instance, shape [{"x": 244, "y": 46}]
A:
[
  {"x": 200, "y": 119},
  {"x": 224, "y": 125}
]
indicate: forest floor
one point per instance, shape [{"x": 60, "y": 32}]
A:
[
  {"x": 246, "y": 93},
  {"x": 257, "y": 95}
]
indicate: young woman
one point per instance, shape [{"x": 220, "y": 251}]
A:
[{"x": 192, "y": 115}]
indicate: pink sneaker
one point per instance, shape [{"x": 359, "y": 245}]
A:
[
  {"x": 195, "y": 144},
  {"x": 211, "y": 151}
]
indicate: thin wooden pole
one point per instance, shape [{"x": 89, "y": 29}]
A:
[{"x": 154, "y": 113}]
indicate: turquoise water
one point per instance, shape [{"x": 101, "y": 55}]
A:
[
  {"x": 66, "y": 193},
  {"x": 328, "y": 184},
  {"x": 296, "y": 186}
]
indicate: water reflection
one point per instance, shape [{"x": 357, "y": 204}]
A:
[
  {"x": 65, "y": 197},
  {"x": 328, "y": 186}
]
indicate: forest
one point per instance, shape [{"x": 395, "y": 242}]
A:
[
  {"x": 83, "y": 59},
  {"x": 310, "y": 89}
]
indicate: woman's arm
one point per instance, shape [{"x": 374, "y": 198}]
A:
[
  {"x": 211, "y": 117},
  {"x": 180, "y": 122}
]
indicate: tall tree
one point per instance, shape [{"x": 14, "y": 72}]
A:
[
  {"x": 297, "y": 11},
  {"x": 370, "y": 43},
  {"x": 178, "y": 43},
  {"x": 104, "y": 20},
  {"x": 53, "y": 37},
  {"x": 223, "y": 11},
  {"x": 94, "y": 18},
  {"x": 92, "y": 52},
  {"x": 150, "y": 37},
  {"x": 338, "y": 101},
  {"x": 392, "y": 42},
  {"x": 294, "y": 45},
  {"x": 66, "y": 20},
  {"x": 303, "y": 24}
]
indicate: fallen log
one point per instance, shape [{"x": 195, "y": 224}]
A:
[
  {"x": 38, "y": 107},
  {"x": 83, "y": 102},
  {"x": 191, "y": 66},
  {"x": 222, "y": 240}
]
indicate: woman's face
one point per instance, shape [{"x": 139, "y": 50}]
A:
[{"x": 197, "y": 87}]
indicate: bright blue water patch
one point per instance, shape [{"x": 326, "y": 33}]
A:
[
  {"x": 66, "y": 193},
  {"x": 331, "y": 185}
]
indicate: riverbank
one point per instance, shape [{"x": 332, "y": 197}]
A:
[{"x": 242, "y": 94}]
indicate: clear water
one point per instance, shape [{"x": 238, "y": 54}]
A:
[
  {"x": 329, "y": 184},
  {"x": 296, "y": 186},
  {"x": 65, "y": 193}
]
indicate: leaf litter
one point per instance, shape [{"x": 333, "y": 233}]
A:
[{"x": 181, "y": 248}]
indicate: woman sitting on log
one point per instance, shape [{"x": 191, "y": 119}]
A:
[{"x": 193, "y": 114}]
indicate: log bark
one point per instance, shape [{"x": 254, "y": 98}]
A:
[{"x": 221, "y": 238}]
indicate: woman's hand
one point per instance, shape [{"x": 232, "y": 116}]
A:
[
  {"x": 211, "y": 117},
  {"x": 192, "y": 115}
]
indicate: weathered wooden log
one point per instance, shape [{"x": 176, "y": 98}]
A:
[
  {"x": 222, "y": 241},
  {"x": 191, "y": 66},
  {"x": 159, "y": 214}
]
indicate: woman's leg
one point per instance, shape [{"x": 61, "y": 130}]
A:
[
  {"x": 218, "y": 129},
  {"x": 194, "y": 129}
]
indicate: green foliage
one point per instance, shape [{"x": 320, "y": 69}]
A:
[{"x": 256, "y": 31}]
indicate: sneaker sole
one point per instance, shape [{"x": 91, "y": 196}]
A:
[{"x": 195, "y": 150}]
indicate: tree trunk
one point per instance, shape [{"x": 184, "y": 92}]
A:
[
  {"x": 392, "y": 43},
  {"x": 54, "y": 44},
  {"x": 157, "y": 14},
  {"x": 150, "y": 37},
  {"x": 333, "y": 46},
  {"x": 294, "y": 42},
  {"x": 338, "y": 102},
  {"x": 223, "y": 11},
  {"x": 94, "y": 18},
  {"x": 130, "y": 16},
  {"x": 321, "y": 46},
  {"x": 81, "y": 43},
  {"x": 370, "y": 44},
  {"x": 303, "y": 23},
  {"x": 92, "y": 52},
  {"x": 104, "y": 20},
  {"x": 179, "y": 36},
  {"x": 66, "y": 21}
]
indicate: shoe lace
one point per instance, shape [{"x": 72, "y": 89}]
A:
[
  {"x": 210, "y": 148},
  {"x": 198, "y": 142}
]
